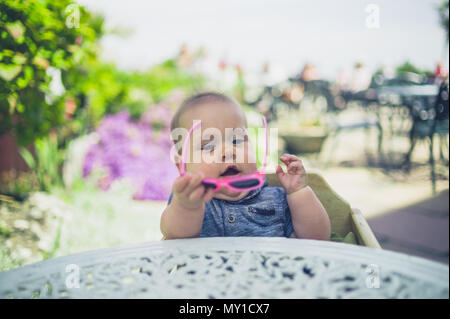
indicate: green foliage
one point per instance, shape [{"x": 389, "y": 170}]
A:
[
  {"x": 34, "y": 36},
  {"x": 239, "y": 88},
  {"x": 4, "y": 231},
  {"x": 47, "y": 164},
  {"x": 405, "y": 68},
  {"x": 18, "y": 184},
  {"x": 408, "y": 67},
  {"x": 163, "y": 78},
  {"x": 443, "y": 15},
  {"x": 158, "y": 81},
  {"x": 94, "y": 87},
  {"x": 54, "y": 249},
  {"x": 101, "y": 88},
  {"x": 6, "y": 261}
]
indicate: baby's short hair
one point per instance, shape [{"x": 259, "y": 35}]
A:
[{"x": 199, "y": 99}]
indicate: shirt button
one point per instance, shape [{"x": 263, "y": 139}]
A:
[{"x": 231, "y": 218}]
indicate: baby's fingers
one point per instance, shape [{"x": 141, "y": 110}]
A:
[
  {"x": 208, "y": 195},
  {"x": 295, "y": 167},
  {"x": 181, "y": 183},
  {"x": 279, "y": 171},
  {"x": 194, "y": 182},
  {"x": 197, "y": 194},
  {"x": 288, "y": 158}
]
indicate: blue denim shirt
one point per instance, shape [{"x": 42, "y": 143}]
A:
[{"x": 264, "y": 212}]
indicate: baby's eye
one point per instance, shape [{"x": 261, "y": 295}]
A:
[{"x": 208, "y": 147}]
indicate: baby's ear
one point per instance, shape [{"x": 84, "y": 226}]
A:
[{"x": 177, "y": 160}]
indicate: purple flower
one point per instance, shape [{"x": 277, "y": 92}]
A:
[
  {"x": 157, "y": 115},
  {"x": 135, "y": 151}
]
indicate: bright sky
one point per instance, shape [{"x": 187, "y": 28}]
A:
[{"x": 331, "y": 34}]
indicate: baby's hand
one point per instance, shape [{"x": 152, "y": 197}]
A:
[
  {"x": 189, "y": 192},
  {"x": 295, "y": 178}
]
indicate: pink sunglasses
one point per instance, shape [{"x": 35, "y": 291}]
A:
[{"x": 237, "y": 184}]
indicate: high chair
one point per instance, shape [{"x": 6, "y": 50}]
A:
[{"x": 344, "y": 219}]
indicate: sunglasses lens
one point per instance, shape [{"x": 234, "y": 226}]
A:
[
  {"x": 209, "y": 185},
  {"x": 245, "y": 184}
]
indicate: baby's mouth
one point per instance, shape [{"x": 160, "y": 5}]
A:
[{"x": 230, "y": 171}]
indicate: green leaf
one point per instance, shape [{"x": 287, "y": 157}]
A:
[
  {"x": 27, "y": 157},
  {"x": 9, "y": 71},
  {"x": 16, "y": 29},
  {"x": 28, "y": 75},
  {"x": 19, "y": 59}
]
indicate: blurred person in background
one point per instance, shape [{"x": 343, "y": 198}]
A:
[
  {"x": 347, "y": 86},
  {"x": 440, "y": 72},
  {"x": 185, "y": 58},
  {"x": 360, "y": 78},
  {"x": 309, "y": 73}
]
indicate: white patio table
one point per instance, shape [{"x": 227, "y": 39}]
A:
[{"x": 230, "y": 267}]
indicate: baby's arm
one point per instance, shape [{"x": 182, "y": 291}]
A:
[
  {"x": 309, "y": 217},
  {"x": 183, "y": 217}
]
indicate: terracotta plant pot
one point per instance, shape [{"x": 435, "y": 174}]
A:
[{"x": 10, "y": 158}]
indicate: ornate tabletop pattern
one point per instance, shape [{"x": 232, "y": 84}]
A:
[{"x": 230, "y": 268}]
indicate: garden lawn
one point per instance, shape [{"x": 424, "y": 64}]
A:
[{"x": 100, "y": 219}]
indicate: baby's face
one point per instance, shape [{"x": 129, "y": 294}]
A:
[{"x": 232, "y": 155}]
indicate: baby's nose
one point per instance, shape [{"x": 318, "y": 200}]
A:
[{"x": 228, "y": 153}]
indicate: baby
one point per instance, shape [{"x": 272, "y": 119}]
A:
[{"x": 193, "y": 210}]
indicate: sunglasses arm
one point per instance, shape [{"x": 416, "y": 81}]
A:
[
  {"x": 267, "y": 144},
  {"x": 186, "y": 147}
]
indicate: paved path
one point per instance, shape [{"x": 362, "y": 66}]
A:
[{"x": 421, "y": 229}]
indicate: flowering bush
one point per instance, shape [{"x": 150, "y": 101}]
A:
[
  {"x": 138, "y": 151},
  {"x": 37, "y": 46},
  {"x": 158, "y": 116}
]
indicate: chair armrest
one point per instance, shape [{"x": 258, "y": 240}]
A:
[{"x": 362, "y": 230}]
